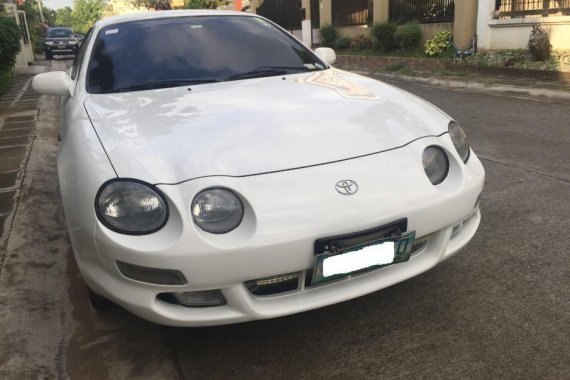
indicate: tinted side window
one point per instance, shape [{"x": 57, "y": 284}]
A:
[{"x": 79, "y": 57}]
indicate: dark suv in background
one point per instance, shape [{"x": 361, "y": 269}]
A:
[{"x": 60, "y": 41}]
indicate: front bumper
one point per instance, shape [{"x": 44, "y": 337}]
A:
[
  {"x": 67, "y": 50},
  {"x": 278, "y": 233}
]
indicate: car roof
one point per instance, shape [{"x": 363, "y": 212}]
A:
[{"x": 166, "y": 14}]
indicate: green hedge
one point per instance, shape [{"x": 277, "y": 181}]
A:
[
  {"x": 383, "y": 36},
  {"x": 9, "y": 43},
  {"x": 329, "y": 35},
  {"x": 408, "y": 36}
]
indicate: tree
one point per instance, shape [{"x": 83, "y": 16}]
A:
[
  {"x": 205, "y": 4},
  {"x": 159, "y": 5},
  {"x": 85, "y": 13},
  {"x": 64, "y": 17}
]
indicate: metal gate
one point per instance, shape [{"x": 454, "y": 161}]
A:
[{"x": 285, "y": 13}]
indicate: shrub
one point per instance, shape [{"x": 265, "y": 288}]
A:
[
  {"x": 408, "y": 36},
  {"x": 361, "y": 42},
  {"x": 383, "y": 36},
  {"x": 329, "y": 35},
  {"x": 9, "y": 43},
  {"x": 539, "y": 44},
  {"x": 439, "y": 44},
  {"x": 342, "y": 43}
]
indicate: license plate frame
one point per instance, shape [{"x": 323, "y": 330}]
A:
[{"x": 402, "y": 251}]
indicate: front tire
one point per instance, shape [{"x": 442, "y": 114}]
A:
[
  {"x": 49, "y": 56},
  {"x": 100, "y": 303}
]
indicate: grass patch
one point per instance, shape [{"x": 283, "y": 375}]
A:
[
  {"x": 394, "y": 67},
  {"x": 398, "y": 68},
  {"x": 6, "y": 80},
  {"x": 520, "y": 59},
  {"x": 417, "y": 53},
  {"x": 455, "y": 74}
]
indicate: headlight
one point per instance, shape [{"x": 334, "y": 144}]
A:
[
  {"x": 131, "y": 207},
  {"x": 217, "y": 211},
  {"x": 459, "y": 140},
  {"x": 49, "y": 43},
  {"x": 72, "y": 42},
  {"x": 436, "y": 164}
]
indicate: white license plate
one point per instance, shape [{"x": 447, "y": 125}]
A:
[
  {"x": 367, "y": 257},
  {"x": 389, "y": 251}
]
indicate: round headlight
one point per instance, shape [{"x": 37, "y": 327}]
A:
[
  {"x": 217, "y": 211},
  {"x": 436, "y": 164},
  {"x": 459, "y": 140},
  {"x": 131, "y": 207}
]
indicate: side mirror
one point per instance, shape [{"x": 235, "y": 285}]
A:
[
  {"x": 326, "y": 54},
  {"x": 52, "y": 83}
]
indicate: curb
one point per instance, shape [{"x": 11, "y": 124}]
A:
[{"x": 480, "y": 87}]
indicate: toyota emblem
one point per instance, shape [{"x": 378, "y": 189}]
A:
[{"x": 346, "y": 187}]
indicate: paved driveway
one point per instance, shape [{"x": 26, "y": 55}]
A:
[{"x": 499, "y": 309}]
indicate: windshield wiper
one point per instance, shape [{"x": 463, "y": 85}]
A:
[
  {"x": 162, "y": 84},
  {"x": 267, "y": 71}
]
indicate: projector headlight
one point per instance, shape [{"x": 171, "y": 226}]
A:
[
  {"x": 131, "y": 207},
  {"x": 459, "y": 140},
  {"x": 436, "y": 164},
  {"x": 217, "y": 211}
]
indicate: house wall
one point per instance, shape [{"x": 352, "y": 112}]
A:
[
  {"x": 514, "y": 33},
  {"x": 430, "y": 30},
  {"x": 463, "y": 28}
]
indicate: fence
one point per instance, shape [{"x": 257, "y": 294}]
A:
[
  {"x": 351, "y": 12},
  {"x": 531, "y": 8},
  {"x": 284, "y": 12},
  {"x": 423, "y": 11}
]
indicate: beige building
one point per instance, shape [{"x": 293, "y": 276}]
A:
[
  {"x": 353, "y": 17},
  {"x": 507, "y": 24}
]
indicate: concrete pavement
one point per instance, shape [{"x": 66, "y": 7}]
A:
[{"x": 499, "y": 309}]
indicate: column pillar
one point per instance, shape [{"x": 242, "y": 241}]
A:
[
  {"x": 381, "y": 11},
  {"x": 325, "y": 12},
  {"x": 465, "y": 24}
]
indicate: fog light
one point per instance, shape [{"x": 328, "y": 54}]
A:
[
  {"x": 274, "y": 285},
  {"x": 204, "y": 298},
  {"x": 151, "y": 275}
]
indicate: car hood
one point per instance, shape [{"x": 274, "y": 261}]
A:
[{"x": 256, "y": 126}]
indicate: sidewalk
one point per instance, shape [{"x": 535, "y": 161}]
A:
[{"x": 438, "y": 75}]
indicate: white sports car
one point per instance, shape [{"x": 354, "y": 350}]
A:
[{"x": 215, "y": 170}]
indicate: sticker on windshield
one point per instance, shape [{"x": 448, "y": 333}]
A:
[{"x": 112, "y": 31}]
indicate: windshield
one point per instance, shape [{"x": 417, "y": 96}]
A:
[
  {"x": 60, "y": 33},
  {"x": 192, "y": 50}
]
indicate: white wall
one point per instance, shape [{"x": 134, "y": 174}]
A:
[{"x": 514, "y": 33}]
